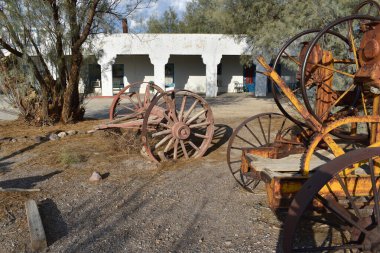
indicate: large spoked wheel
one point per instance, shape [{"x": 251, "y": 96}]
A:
[
  {"x": 287, "y": 64},
  {"x": 368, "y": 7},
  {"x": 262, "y": 130},
  {"x": 133, "y": 100},
  {"x": 349, "y": 98},
  {"x": 337, "y": 213},
  {"x": 184, "y": 130}
]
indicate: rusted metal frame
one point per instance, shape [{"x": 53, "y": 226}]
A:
[
  {"x": 375, "y": 193},
  {"x": 350, "y": 199},
  {"x": 313, "y": 123},
  {"x": 322, "y": 66},
  {"x": 324, "y": 96},
  {"x": 313, "y": 186},
  {"x": 338, "y": 100},
  {"x": 326, "y": 130},
  {"x": 341, "y": 212},
  {"x": 353, "y": 47}
]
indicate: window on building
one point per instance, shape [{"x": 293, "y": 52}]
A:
[
  {"x": 118, "y": 76},
  {"x": 169, "y": 73},
  {"x": 94, "y": 76}
]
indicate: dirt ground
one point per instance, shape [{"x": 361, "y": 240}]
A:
[{"x": 139, "y": 206}]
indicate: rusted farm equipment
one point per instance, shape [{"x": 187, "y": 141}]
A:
[
  {"x": 307, "y": 156},
  {"x": 173, "y": 125}
]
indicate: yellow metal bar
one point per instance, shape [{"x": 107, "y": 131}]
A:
[
  {"x": 314, "y": 124},
  {"x": 322, "y": 66},
  {"x": 326, "y": 130}
]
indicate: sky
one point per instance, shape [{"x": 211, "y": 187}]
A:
[{"x": 156, "y": 9}]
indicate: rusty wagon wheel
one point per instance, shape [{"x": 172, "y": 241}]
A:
[
  {"x": 349, "y": 97},
  {"x": 185, "y": 129},
  {"x": 128, "y": 104},
  {"x": 262, "y": 130},
  {"x": 334, "y": 211},
  {"x": 287, "y": 64}
]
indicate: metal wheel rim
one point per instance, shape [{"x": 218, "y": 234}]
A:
[
  {"x": 277, "y": 59},
  {"x": 209, "y": 129},
  {"x": 310, "y": 189},
  {"x": 116, "y": 99},
  {"x": 310, "y": 48},
  {"x": 250, "y": 185}
]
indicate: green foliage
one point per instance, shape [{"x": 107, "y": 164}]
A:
[
  {"x": 264, "y": 24},
  {"x": 169, "y": 23},
  {"x": 67, "y": 157}
]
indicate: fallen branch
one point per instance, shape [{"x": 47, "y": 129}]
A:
[{"x": 18, "y": 190}]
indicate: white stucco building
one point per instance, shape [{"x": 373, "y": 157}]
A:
[{"x": 203, "y": 63}]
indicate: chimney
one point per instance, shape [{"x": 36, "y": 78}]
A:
[{"x": 125, "y": 25}]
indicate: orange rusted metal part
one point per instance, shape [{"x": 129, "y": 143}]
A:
[
  {"x": 281, "y": 190},
  {"x": 369, "y": 56},
  {"x": 312, "y": 122},
  {"x": 325, "y": 95}
]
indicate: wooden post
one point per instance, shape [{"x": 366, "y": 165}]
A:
[{"x": 36, "y": 229}]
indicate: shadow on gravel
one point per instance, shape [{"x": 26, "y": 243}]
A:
[
  {"x": 26, "y": 182},
  {"x": 24, "y": 149},
  {"x": 187, "y": 236},
  {"x": 95, "y": 218},
  {"x": 222, "y": 134},
  {"x": 4, "y": 167},
  {"x": 52, "y": 220}
]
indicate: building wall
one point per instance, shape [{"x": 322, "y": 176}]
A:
[
  {"x": 232, "y": 71},
  {"x": 189, "y": 72}
]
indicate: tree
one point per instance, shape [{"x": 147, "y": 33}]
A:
[
  {"x": 169, "y": 23},
  {"x": 266, "y": 25},
  {"x": 47, "y": 37}
]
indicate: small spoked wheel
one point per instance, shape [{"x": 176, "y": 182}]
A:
[
  {"x": 338, "y": 208},
  {"x": 177, "y": 125},
  {"x": 133, "y": 100},
  {"x": 262, "y": 130}
]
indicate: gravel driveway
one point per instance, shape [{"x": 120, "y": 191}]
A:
[{"x": 192, "y": 206}]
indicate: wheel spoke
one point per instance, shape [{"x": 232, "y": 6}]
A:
[
  {"x": 175, "y": 149},
  {"x": 133, "y": 102},
  {"x": 236, "y": 148},
  {"x": 338, "y": 100},
  {"x": 182, "y": 110},
  {"x": 147, "y": 95},
  {"x": 162, "y": 141},
  {"x": 190, "y": 110},
  {"x": 322, "y": 66},
  {"x": 196, "y": 116},
  {"x": 184, "y": 149},
  {"x": 206, "y": 123},
  {"x": 168, "y": 131},
  {"x": 193, "y": 145},
  {"x": 350, "y": 199},
  {"x": 170, "y": 143},
  {"x": 201, "y": 136},
  {"x": 341, "y": 212},
  {"x": 352, "y": 42},
  {"x": 254, "y": 135},
  {"x": 262, "y": 131},
  {"x": 282, "y": 125},
  {"x": 250, "y": 143},
  {"x": 139, "y": 99}
]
